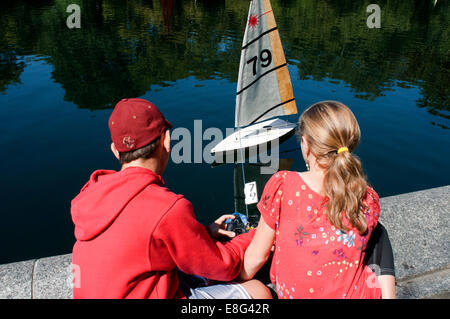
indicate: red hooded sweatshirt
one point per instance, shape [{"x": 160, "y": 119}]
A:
[{"x": 133, "y": 233}]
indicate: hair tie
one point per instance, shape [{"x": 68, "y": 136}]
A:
[{"x": 342, "y": 149}]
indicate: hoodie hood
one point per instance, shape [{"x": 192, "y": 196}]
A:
[{"x": 104, "y": 197}]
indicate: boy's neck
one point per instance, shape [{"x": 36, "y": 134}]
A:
[{"x": 152, "y": 164}]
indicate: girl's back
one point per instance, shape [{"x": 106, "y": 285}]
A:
[{"x": 313, "y": 258}]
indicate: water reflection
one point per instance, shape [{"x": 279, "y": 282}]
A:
[{"x": 126, "y": 48}]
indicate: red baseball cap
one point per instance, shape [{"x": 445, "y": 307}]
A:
[{"x": 134, "y": 123}]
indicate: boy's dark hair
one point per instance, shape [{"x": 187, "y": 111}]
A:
[{"x": 143, "y": 152}]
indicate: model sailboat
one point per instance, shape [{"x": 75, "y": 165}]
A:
[{"x": 264, "y": 88}]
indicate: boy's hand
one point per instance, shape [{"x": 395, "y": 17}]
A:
[{"x": 218, "y": 228}]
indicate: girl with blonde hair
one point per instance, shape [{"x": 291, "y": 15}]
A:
[{"x": 320, "y": 221}]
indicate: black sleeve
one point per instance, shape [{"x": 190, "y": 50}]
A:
[{"x": 379, "y": 256}]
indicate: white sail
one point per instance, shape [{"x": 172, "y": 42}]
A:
[{"x": 264, "y": 87}]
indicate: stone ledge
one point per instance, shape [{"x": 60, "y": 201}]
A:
[
  {"x": 52, "y": 278},
  {"x": 16, "y": 280},
  {"x": 418, "y": 225},
  {"x": 435, "y": 284}
]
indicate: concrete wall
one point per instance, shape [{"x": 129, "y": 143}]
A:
[{"x": 417, "y": 223}]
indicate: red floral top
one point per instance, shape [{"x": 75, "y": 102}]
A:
[{"x": 312, "y": 258}]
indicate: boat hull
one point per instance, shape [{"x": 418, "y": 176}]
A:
[{"x": 261, "y": 133}]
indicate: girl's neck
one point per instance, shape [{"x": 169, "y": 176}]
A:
[{"x": 314, "y": 178}]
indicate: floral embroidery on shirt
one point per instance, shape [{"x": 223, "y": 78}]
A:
[
  {"x": 340, "y": 254},
  {"x": 346, "y": 238},
  {"x": 265, "y": 199},
  {"x": 300, "y": 233}
]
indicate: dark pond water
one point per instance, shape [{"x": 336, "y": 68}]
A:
[{"x": 58, "y": 87}]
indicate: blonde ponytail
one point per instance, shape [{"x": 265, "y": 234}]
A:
[{"x": 333, "y": 133}]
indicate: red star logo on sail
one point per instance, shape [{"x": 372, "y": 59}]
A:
[{"x": 253, "y": 20}]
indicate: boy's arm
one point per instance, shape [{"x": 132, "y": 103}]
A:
[{"x": 193, "y": 250}]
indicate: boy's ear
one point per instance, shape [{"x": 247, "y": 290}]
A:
[
  {"x": 115, "y": 151},
  {"x": 166, "y": 141}
]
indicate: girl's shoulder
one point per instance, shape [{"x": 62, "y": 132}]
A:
[
  {"x": 280, "y": 175},
  {"x": 281, "y": 178},
  {"x": 371, "y": 197},
  {"x": 371, "y": 207},
  {"x": 276, "y": 180}
]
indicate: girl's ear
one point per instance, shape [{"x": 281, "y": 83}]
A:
[
  {"x": 115, "y": 151},
  {"x": 304, "y": 145}
]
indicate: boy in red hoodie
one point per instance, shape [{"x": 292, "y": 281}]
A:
[{"x": 134, "y": 235}]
